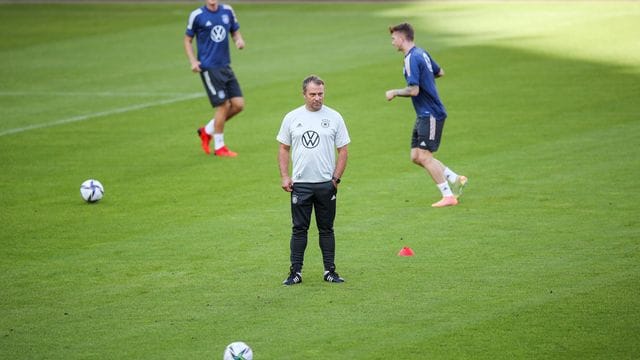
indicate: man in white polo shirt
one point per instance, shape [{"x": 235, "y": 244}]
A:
[{"x": 309, "y": 137}]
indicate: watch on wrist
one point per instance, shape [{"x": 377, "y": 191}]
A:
[{"x": 337, "y": 180}]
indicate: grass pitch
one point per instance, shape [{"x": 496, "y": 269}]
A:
[{"x": 186, "y": 252}]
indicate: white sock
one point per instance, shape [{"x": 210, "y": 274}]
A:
[
  {"x": 450, "y": 175},
  {"x": 218, "y": 141},
  {"x": 209, "y": 127},
  {"x": 445, "y": 189}
]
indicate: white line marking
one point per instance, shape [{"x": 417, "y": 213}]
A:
[
  {"x": 99, "y": 114},
  {"x": 86, "y": 93}
]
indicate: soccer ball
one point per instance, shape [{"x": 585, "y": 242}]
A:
[
  {"x": 91, "y": 190},
  {"x": 238, "y": 351}
]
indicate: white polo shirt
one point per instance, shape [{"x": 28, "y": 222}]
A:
[{"x": 313, "y": 137}]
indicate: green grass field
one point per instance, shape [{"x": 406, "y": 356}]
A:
[{"x": 186, "y": 252}]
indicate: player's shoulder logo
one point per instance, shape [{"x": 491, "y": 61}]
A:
[{"x": 325, "y": 123}]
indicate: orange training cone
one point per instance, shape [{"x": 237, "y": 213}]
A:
[{"x": 405, "y": 251}]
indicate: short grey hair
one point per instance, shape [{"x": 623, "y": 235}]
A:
[{"x": 311, "y": 78}]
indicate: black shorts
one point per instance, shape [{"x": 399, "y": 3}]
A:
[
  {"x": 221, "y": 84},
  {"x": 427, "y": 133}
]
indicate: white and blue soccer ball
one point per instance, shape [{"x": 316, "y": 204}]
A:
[
  {"x": 238, "y": 351},
  {"x": 91, "y": 190}
]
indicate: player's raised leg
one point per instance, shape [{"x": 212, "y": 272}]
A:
[{"x": 434, "y": 167}]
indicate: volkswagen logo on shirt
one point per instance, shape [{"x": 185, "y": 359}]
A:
[
  {"x": 218, "y": 33},
  {"x": 310, "y": 139}
]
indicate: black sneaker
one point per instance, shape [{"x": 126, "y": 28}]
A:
[
  {"x": 332, "y": 276},
  {"x": 294, "y": 278}
]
